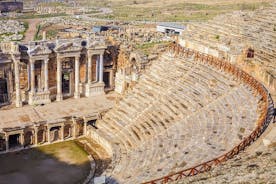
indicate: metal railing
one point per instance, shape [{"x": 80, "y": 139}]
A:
[{"x": 264, "y": 119}]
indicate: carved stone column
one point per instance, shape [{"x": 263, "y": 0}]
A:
[
  {"x": 22, "y": 139},
  {"x": 111, "y": 78},
  {"x": 32, "y": 81},
  {"x": 35, "y": 135},
  {"x": 97, "y": 68},
  {"x": 29, "y": 75},
  {"x": 101, "y": 69},
  {"x": 84, "y": 128},
  {"x": 89, "y": 75},
  {"x": 42, "y": 77},
  {"x": 89, "y": 69},
  {"x": 7, "y": 142},
  {"x": 59, "y": 96},
  {"x": 62, "y": 132},
  {"x": 46, "y": 83},
  {"x": 18, "y": 101},
  {"x": 77, "y": 77},
  {"x": 74, "y": 133},
  {"x": 48, "y": 134},
  {"x": 32, "y": 62}
]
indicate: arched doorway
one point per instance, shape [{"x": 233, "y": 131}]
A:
[
  {"x": 250, "y": 53},
  {"x": 67, "y": 131},
  {"x": 28, "y": 138},
  {"x": 2, "y": 142},
  {"x": 40, "y": 136},
  {"x": 4, "y": 95},
  {"x": 14, "y": 141},
  {"x": 55, "y": 133},
  {"x": 80, "y": 127},
  {"x": 106, "y": 79},
  {"x": 92, "y": 123},
  {"x": 67, "y": 78}
]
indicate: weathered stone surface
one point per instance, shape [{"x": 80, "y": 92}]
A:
[{"x": 171, "y": 120}]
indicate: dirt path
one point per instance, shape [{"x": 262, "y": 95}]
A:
[{"x": 30, "y": 33}]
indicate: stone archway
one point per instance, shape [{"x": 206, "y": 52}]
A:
[
  {"x": 28, "y": 138},
  {"x": 14, "y": 141},
  {"x": 67, "y": 131},
  {"x": 4, "y": 95},
  {"x": 40, "y": 136},
  {"x": 80, "y": 127},
  {"x": 55, "y": 133},
  {"x": 2, "y": 142},
  {"x": 250, "y": 53}
]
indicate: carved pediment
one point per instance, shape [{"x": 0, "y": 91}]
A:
[
  {"x": 67, "y": 47},
  {"x": 39, "y": 50},
  {"x": 96, "y": 43}
]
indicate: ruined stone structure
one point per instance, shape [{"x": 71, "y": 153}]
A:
[
  {"x": 189, "y": 110},
  {"x": 41, "y": 72},
  {"x": 42, "y": 133},
  {"x": 11, "y": 6},
  {"x": 129, "y": 68}
]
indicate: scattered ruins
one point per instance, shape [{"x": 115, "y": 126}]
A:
[
  {"x": 11, "y": 30},
  {"x": 183, "y": 108},
  {"x": 11, "y": 6}
]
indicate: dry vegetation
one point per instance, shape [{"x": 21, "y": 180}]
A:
[{"x": 176, "y": 10}]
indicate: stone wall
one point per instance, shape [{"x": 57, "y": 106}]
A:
[{"x": 11, "y": 6}]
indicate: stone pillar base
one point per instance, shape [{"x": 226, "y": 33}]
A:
[
  {"x": 94, "y": 89},
  {"x": 31, "y": 98},
  {"x": 18, "y": 104},
  {"x": 59, "y": 97},
  {"x": 76, "y": 95}
]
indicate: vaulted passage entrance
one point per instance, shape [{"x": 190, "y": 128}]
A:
[
  {"x": 106, "y": 79},
  {"x": 14, "y": 141},
  {"x": 55, "y": 133},
  {"x": 65, "y": 82},
  {"x": 28, "y": 138},
  {"x": 40, "y": 136},
  {"x": 67, "y": 131},
  {"x": 2, "y": 143},
  {"x": 67, "y": 78},
  {"x": 4, "y": 96}
]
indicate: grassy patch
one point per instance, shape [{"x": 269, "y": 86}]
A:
[
  {"x": 34, "y": 16},
  {"x": 26, "y": 25},
  {"x": 147, "y": 47},
  {"x": 73, "y": 151},
  {"x": 51, "y": 33},
  {"x": 62, "y": 162},
  {"x": 177, "y": 12}
]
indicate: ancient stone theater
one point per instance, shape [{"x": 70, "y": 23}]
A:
[{"x": 203, "y": 100}]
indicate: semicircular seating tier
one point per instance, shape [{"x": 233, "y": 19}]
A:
[
  {"x": 229, "y": 35},
  {"x": 181, "y": 113}
]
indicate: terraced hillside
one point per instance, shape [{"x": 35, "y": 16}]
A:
[{"x": 180, "y": 114}]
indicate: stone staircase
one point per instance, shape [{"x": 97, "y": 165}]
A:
[{"x": 181, "y": 113}]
